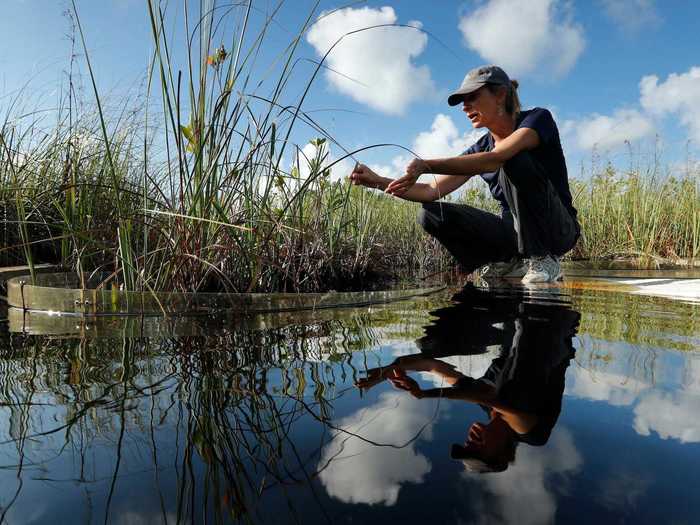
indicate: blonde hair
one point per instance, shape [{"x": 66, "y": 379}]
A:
[{"x": 512, "y": 105}]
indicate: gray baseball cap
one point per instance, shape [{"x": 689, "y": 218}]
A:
[{"x": 476, "y": 78}]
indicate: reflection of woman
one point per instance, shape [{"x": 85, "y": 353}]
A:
[
  {"x": 522, "y": 390},
  {"x": 521, "y": 159}
]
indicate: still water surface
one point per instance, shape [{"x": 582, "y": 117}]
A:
[{"x": 587, "y": 407}]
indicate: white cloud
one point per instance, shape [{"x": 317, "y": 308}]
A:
[
  {"x": 376, "y": 66},
  {"x": 678, "y": 95},
  {"x": 669, "y": 415},
  {"x": 632, "y": 15},
  {"x": 308, "y": 153},
  {"x": 607, "y": 132},
  {"x": 360, "y": 472},
  {"x": 615, "y": 389},
  {"x": 525, "y": 485},
  {"x": 521, "y": 35},
  {"x": 442, "y": 140}
]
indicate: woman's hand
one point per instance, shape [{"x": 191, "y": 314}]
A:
[
  {"x": 414, "y": 170},
  {"x": 377, "y": 375},
  {"x": 404, "y": 382},
  {"x": 363, "y": 176}
]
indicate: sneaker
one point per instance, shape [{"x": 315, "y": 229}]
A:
[
  {"x": 543, "y": 270},
  {"x": 512, "y": 268}
]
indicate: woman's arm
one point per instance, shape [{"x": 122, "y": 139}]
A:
[
  {"x": 440, "y": 186},
  {"x": 520, "y": 421},
  {"x": 467, "y": 165}
]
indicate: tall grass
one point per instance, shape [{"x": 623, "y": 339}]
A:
[
  {"x": 200, "y": 195},
  {"x": 190, "y": 186},
  {"x": 638, "y": 215}
]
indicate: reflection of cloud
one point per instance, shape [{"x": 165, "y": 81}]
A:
[
  {"x": 37, "y": 512},
  {"x": 523, "y": 485},
  {"x": 360, "y": 472},
  {"x": 691, "y": 375},
  {"x": 669, "y": 415},
  {"x": 623, "y": 490},
  {"x": 616, "y": 389}
]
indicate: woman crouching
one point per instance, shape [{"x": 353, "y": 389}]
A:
[{"x": 522, "y": 161}]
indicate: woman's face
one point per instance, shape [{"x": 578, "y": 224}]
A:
[
  {"x": 481, "y": 107},
  {"x": 489, "y": 441}
]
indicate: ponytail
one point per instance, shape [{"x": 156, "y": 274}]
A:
[
  {"x": 512, "y": 99},
  {"x": 512, "y": 102}
]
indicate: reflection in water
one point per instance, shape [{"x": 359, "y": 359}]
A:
[
  {"x": 664, "y": 396},
  {"x": 358, "y": 472},
  {"x": 259, "y": 420},
  {"x": 164, "y": 430},
  {"x": 527, "y": 492},
  {"x": 521, "y": 392}
]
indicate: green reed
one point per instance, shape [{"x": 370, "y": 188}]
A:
[
  {"x": 189, "y": 186},
  {"x": 639, "y": 215}
]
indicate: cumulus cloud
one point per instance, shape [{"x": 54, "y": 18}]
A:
[
  {"x": 308, "y": 154},
  {"x": 615, "y": 389},
  {"x": 359, "y": 472},
  {"x": 374, "y": 67},
  {"x": 443, "y": 139},
  {"x": 669, "y": 415},
  {"x": 607, "y": 132},
  {"x": 631, "y": 15},
  {"x": 522, "y": 35},
  {"x": 525, "y": 483},
  {"x": 678, "y": 95}
]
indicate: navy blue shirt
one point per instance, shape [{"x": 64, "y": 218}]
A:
[{"x": 548, "y": 154}]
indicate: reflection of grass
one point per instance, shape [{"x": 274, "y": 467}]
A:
[
  {"x": 638, "y": 319},
  {"x": 244, "y": 414},
  {"x": 226, "y": 410}
]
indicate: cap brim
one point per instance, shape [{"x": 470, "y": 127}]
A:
[{"x": 456, "y": 97}]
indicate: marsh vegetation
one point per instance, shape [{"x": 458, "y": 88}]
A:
[{"x": 202, "y": 183}]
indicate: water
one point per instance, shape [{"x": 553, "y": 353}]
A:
[{"x": 260, "y": 420}]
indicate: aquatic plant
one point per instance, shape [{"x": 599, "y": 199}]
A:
[
  {"x": 197, "y": 184},
  {"x": 642, "y": 214}
]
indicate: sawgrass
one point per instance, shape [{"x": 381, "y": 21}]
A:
[{"x": 189, "y": 186}]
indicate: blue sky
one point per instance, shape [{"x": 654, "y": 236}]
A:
[{"x": 610, "y": 70}]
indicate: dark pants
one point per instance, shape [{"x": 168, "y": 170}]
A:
[{"x": 538, "y": 222}]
